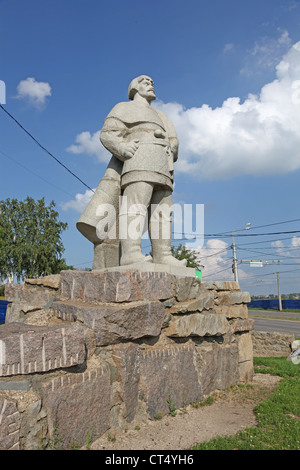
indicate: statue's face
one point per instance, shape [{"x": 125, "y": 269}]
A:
[{"x": 145, "y": 88}]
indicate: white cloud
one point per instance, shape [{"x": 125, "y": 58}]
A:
[
  {"x": 228, "y": 47},
  {"x": 90, "y": 144},
  {"x": 216, "y": 257},
  {"x": 279, "y": 247},
  {"x": 266, "y": 53},
  {"x": 80, "y": 202},
  {"x": 277, "y": 244},
  {"x": 260, "y": 136},
  {"x": 292, "y": 251},
  {"x": 295, "y": 242},
  {"x": 215, "y": 261},
  {"x": 34, "y": 92}
]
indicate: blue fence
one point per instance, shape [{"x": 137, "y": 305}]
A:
[
  {"x": 273, "y": 304},
  {"x": 3, "y": 306}
]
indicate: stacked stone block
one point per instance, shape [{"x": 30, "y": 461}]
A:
[{"x": 102, "y": 350}]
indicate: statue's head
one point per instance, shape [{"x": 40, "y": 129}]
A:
[{"x": 143, "y": 85}]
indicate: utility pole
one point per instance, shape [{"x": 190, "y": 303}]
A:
[
  {"x": 279, "y": 295},
  {"x": 260, "y": 264},
  {"x": 234, "y": 265}
]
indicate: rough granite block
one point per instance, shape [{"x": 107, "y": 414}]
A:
[
  {"x": 233, "y": 311},
  {"x": 10, "y": 421},
  {"x": 217, "y": 366},
  {"x": 169, "y": 373},
  {"x": 197, "y": 324},
  {"x": 26, "y": 349},
  {"x": 126, "y": 359},
  {"x": 232, "y": 298},
  {"x": 127, "y": 286},
  {"x": 115, "y": 323},
  {"x": 78, "y": 405}
]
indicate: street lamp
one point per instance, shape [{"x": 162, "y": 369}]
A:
[{"x": 235, "y": 265}]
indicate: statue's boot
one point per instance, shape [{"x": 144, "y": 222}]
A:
[
  {"x": 162, "y": 254},
  {"x": 131, "y": 253},
  {"x": 131, "y": 246},
  {"x": 161, "y": 247}
]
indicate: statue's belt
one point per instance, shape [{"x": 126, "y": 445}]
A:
[{"x": 149, "y": 136}]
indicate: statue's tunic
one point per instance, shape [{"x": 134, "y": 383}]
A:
[{"x": 157, "y": 147}]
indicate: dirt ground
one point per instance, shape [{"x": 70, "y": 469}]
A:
[{"x": 230, "y": 412}]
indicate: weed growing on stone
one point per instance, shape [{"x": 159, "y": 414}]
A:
[
  {"x": 55, "y": 442},
  {"x": 111, "y": 438},
  {"x": 172, "y": 409},
  {"x": 89, "y": 439},
  {"x": 208, "y": 401},
  {"x": 158, "y": 416}
]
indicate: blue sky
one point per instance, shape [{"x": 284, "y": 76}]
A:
[{"x": 226, "y": 73}]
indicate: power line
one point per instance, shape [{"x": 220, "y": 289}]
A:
[
  {"x": 229, "y": 232},
  {"x": 33, "y": 173},
  {"x": 47, "y": 151},
  {"x": 214, "y": 273},
  {"x": 214, "y": 254},
  {"x": 265, "y": 241},
  {"x": 280, "y": 249},
  {"x": 211, "y": 269},
  {"x": 259, "y": 226},
  {"x": 269, "y": 254},
  {"x": 275, "y": 223},
  {"x": 223, "y": 235},
  {"x": 281, "y": 272}
]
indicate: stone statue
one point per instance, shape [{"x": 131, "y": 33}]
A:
[{"x": 144, "y": 147}]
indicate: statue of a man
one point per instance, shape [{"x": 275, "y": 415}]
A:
[{"x": 144, "y": 146}]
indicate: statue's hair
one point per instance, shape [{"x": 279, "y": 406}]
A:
[{"x": 132, "y": 87}]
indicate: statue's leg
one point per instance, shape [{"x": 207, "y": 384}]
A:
[
  {"x": 106, "y": 255},
  {"x": 160, "y": 228},
  {"x": 135, "y": 202}
]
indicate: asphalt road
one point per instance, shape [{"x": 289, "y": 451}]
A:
[{"x": 273, "y": 324}]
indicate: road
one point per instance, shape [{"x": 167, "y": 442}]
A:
[{"x": 285, "y": 324}]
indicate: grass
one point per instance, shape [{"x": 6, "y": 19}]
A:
[
  {"x": 274, "y": 310},
  {"x": 172, "y": 408},
  {"x": 208, "y": 401},
  {"x": 111, "y": 438},
  {"x": 270, "y": 309},
  {"x": 275, "y": 316},
  {"x": 271, "y": 317},
  {"x": 278, "y": 417}
]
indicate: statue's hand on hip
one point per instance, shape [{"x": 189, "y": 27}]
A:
[{"x": 128, "y": 149}]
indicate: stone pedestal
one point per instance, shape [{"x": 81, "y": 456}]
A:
[{"x": 87, "y": 352}]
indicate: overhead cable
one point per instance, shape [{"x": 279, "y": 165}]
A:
[{"x": 47, "y": 151}]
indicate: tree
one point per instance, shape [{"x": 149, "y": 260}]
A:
[
  {"x": 182, "y": 252},
  {"x": 30, "y": 239}
]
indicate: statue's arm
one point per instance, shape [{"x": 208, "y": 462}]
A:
[
  {"x": 174, "y": 144},
  {"x": 113, "y": 136},
  {"x": 172, "y": 135}
]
